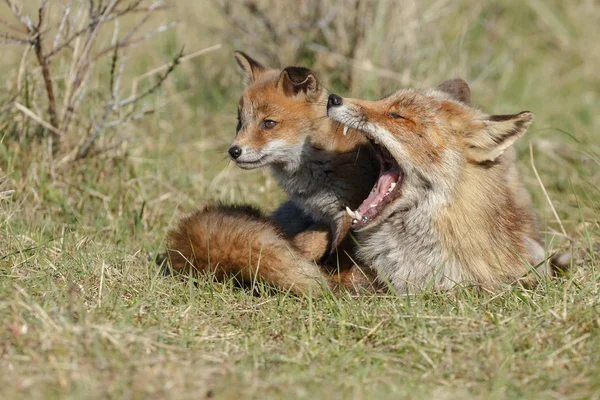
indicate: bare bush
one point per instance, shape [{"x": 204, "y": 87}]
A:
[
  {"x": 68, "y": 40},
  {"x": 352, "y": 42}
]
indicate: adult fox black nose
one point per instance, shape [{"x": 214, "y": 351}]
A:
[
  {"x": 235, "y": 151},
  {"x": 334, "y": 100}
]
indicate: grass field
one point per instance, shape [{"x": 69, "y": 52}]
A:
[{"x": 85, "y": 314}]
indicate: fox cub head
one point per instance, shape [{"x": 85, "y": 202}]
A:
[
  {"x": 427, "y": 142},
  {"x": 277, "y": 111}
]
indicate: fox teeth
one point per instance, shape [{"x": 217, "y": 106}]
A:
[
  {"x": 350, "y": 212},
  {"x": 354, "y": 221},
  {"x": 345, "y": 130},
  {"x": 393, "y": 185},
  {"x": 358, "y": 215}
]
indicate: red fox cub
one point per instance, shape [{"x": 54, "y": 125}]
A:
[
  {"x": 448, "y": 207},
  {"x": 323, "y": 167}
]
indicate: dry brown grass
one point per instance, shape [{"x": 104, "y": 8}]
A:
[{"x": 85, "y": 314}]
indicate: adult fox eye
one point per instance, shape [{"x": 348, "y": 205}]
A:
[
  {"x": 395, "y": 115},
  {"x": 269, "y": 123}
]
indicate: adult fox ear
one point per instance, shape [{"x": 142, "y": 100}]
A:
[
  {"x": 252, "y": 68},
  {"x": 496, "y": 133},
  {"x": 458, "y": 90},
  {"x": 295, "y": 80}
]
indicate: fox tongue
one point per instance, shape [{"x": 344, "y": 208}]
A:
[{"x": 378, "y": 192}]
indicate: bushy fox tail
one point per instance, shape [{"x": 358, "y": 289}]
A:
[{"x": 238, "y": 241}]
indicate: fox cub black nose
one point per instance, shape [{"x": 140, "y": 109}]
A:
[
  {"x": 334, "y": 101},
  {"x": 235, "y": 151}
]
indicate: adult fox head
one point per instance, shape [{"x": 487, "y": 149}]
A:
[
  {"x": 427, "y": 143},
  {"x": 276, "y": 112}
]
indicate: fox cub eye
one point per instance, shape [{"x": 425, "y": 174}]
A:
[
  {"x": 395, "y": 115},
  {"x": 269, "y": 124}
]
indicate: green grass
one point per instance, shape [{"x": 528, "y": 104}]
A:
[{"x": 83, "y": 313}]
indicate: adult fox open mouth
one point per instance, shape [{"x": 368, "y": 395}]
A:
[{"x": 388, "y": 186}]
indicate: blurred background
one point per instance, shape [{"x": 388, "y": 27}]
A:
[{"x": 115, "y": 118}]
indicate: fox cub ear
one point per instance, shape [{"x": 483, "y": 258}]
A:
[
  {"x": 496, "y": 133},
  {"x": 294, "y": 80},
  {"x": 457, "y": 89},
  {"x": 252, "y": 68}
]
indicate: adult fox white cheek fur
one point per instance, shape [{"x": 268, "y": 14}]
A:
[{"x": 448, "y": 205}]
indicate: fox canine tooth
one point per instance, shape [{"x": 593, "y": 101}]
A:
[
  {"x": 345, "y": 130},
  {"x": 350, "y": 212},
  {"x": 358, "y": 215},
  {"x": 393, "y": 185}
]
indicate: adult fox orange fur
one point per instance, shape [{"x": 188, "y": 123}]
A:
[{"x": 449, "y": 206}]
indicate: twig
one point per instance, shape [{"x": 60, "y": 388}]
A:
[
  {"x": 562, "y": 228},
  {"x": 44, "y": 64},
  {"x": 81, "y": 68},
  {"x": 63, "y": 23},
  {"x": 12, "y": 27},
  {"x": 169, "y": 68},
  {"x": 569, "y": 345},
  {"x": 154, "y": 71},
  {"x": 122, "y": 44},
  {"x": 372, "y": 331},
  {"x": 17, "y": 13},
  {"x": 92, "y": 25},
  {"x": 112, "y": 105},
  {"x": 8, "y": 38},
  {"x": 101, "y": 285},
  {"x": 57, "y": 133}
]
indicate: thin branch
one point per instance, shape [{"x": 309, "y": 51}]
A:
[
  {"x": 154, "y": 71},
  {"x": 43, "y": 62},
  {"x": 114, "y": 60},
  {"x": 141, "y": 22},
  {"x": 562, "y": 228},
  {"x": 122, "y": 43},
  {"x": 8, "y": 38},
  {"x": 57, "y": 133},
  {"x": 81, "y": 69},
  {"x": 12, "y": 27},
  {"x": 130, "y": 117},
  {"x": 85, "y": 148},
  {"x": 63, "y": 23},
  {"x": 92, "y": 25},
  {"x": 171, "y": 66},
  {"x": 24, "y": 20}
]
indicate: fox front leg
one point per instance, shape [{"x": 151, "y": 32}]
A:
[{"x": 338, "y": 231}]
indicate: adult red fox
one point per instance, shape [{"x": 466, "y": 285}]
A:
[{"x": 449, "y": 206}]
